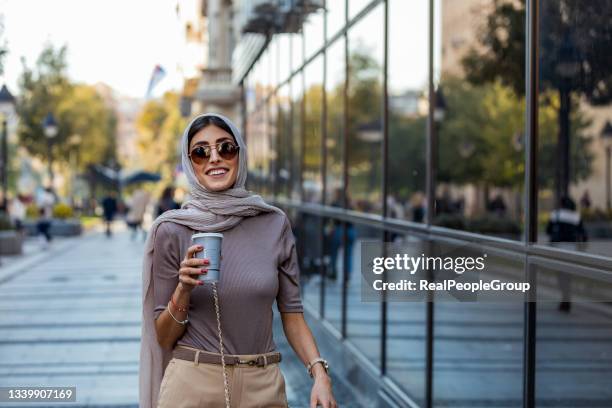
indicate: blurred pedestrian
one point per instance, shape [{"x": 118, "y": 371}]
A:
[
  {"x": 585, "y": 201},
  {"x": 166, "y": 202},
  {"x": 17, "y": 212},
  {"x": 138, "y": 206},
  {"x": 110, "y": 207},
  {"x": 565, "y": 225},
  {"x": 45, "y": 205}
]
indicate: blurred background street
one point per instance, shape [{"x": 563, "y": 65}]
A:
[{"x": 480, "y": 124}]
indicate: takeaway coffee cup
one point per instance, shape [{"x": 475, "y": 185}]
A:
[{"x": 211, "y": 242}]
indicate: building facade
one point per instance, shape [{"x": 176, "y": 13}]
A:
[{"x": 463, "y": 122}]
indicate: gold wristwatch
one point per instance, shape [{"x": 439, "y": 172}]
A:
[{"x": 315, "y": 361}]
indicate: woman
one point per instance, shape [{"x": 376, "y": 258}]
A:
[{"x": 259, "y": 265}]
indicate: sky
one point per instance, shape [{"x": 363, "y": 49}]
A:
[{"x": 117, "y": 42}]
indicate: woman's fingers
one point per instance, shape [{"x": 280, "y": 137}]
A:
[
  {"x": 194, "y": 262},
  {"x": 192, "y": 250},
  {"x": 190, "y": 276},
  {"x": 188, "y": 280},
  {"x": 192, "y": 272}
]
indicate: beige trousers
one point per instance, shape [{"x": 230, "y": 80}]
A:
[{"x": 187, "y": 384}]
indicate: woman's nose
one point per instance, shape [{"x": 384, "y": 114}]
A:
[{"x": 214, "y": 156}]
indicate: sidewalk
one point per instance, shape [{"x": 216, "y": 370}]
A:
[{"x": 70, "y": 316}]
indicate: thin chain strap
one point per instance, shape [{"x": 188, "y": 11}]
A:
[{"x": 225, "y": 383}]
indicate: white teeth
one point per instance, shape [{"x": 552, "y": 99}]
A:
[{"x": 217, "y": 172}]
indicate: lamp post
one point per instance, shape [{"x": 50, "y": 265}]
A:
[
  {"x": 567, "y": 70},
  {"x": 606, "y": 135},
  {"x": 7, "y": 102},
  {"x": 50, "y": 128},
  {"x": 74, "y": 141}
]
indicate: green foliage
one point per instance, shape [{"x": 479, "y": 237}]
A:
[
  {"x": 32, "y": 211},
  {"x": 160, "y": 126},
  {"x": 78, "y": 109},
  {"x": 62, "y": 211},
  {"x": 489, "y": 118}
]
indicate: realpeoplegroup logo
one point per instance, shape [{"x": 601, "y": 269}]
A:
[{"x": 416, "y": 271}]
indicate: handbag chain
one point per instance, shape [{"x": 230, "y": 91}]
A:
[{"x": 225, "y": 383}]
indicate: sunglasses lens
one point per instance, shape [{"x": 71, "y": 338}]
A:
[
  {"x": 227, "y": 150},
  {"x": 199, "y": 155}
]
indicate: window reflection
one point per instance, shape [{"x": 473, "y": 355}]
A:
[
  {"x": 334, "y": 90},
  {"x": 408, "y": 109},
  {"x": 365, "y": 127},
  {"x": 283, "y": 146},
  {"x": 479, "y": 118},
  {"x": 336, "y": 16},
  {"x": 313, "y": 104},
  {"x": 574, "y": 125},
  {"x": 296, "y": 136},
  {"x": 313, "y": 33}
]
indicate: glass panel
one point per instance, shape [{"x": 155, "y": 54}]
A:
[
  {"x": 273, "y": 140},
  {"x": 334, "y": 264},
  {"x": 574, "y": 352},
  {"x": 355, "y": 6},
  {"x": 297, "y": 86},
  {"x": 363, "y": 318},
  {"x": 297, "y": 51},
  {"x": 310, "y": 246},
  {"x": 408, "y": 109},
  {"x": 284, "y": 56},
  {"x": 313, "y": 104},
  {"x": 575, "y": 123},
  {"x": 283, "y": 126},
  {"x": 365, "y": 127},
  {"x": 334, "y": 89},
  {"x": 336, "y": 16},
  {"x": 313, "y": 33},
  {"x": 478, "y": 346},
  {"x": 479, "y": 117}
]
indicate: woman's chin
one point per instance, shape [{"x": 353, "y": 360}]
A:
[{"x": 216, "y": 185}]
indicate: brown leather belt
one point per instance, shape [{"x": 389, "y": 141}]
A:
[{"x": 261, "y": 360}]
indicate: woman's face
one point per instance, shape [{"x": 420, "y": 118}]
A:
[{"x": 216, "y": 173}]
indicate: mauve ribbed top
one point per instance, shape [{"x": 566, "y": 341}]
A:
[{"x": 259, "y": 266}]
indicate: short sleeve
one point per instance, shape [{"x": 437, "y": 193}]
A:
[
  {"x": 288, "y": 297},
  {"x": 166, "y": 263}
]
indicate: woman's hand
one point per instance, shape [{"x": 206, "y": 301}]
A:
[
  {"x": 321, "y": 394},
  {"x": 192, "y": 268}
]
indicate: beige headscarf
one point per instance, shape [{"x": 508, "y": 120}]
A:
[{"x": 206, "y": 211}]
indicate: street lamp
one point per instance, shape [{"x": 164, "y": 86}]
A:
[
  {"x": 568, "y": 68},
  {"x": 50, "y": 128},
  {"x": 74, "y": 141},
  {"x": 606, "y": 135},
  {"x": 7, "y": 105}
]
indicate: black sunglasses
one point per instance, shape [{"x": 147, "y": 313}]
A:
[{"x": 226, "y": 149}]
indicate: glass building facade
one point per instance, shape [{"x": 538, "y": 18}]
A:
[{"x": 469, "y": 120}]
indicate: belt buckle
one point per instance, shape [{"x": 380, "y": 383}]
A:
[{"x": 249, "y": 362}]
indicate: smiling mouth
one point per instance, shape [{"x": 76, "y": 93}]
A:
[{"x": 219, "y": 172}]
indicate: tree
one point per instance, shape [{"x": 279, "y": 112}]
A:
[
  {"x": 3, "y": 47},
  {"x": 160, "y": 127},
  {"x": 575, "y": 62},
  {"x": 77, "y": 108}
]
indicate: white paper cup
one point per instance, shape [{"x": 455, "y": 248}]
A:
[{"x": 211, "y": 241}]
